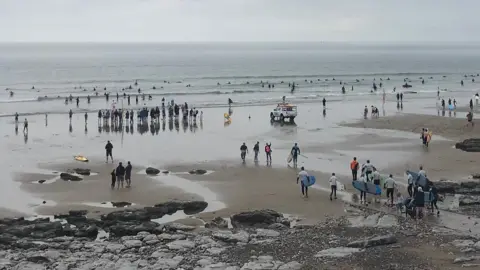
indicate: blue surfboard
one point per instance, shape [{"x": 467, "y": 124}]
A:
[
  {"x": 422, "y": 181},
  {"x": 308, "y": 181},
  {"x": 367, "y": 187}
]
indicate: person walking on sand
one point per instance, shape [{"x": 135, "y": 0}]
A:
[
  {"x": 434, "y": 198},
  {"x": 419, "y": 201},
  {"x": 86, "y": 118},
  {"x": 368, "y": 169},
  {"x": 469, "y": 119},
  {"x": 108, "y": 149},
  {"x": 256, "y": 149},
  {"x": 114, "y": 178},
  {"x": 390, "y": 186},
  {"x": 25, "y": 126},
  {"x": 16, "y": 117},
  {"x": 354, "y": 168},
  {"x": 268, "y": 152},
  {"x": 376, "y": 182},
  {"x": 120, "y": 173},
  {"x": 243, "y": 151},
  {"x": 128, "y": 174},
  {"x": 363, "y": 194},
  {"x": 333, "y": 186},
  {"x": 410, "y": 185},
  {"x": 295, "y": 152},
  {"x": 302, "y": 177}
]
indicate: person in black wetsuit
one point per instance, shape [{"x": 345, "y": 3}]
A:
[
  {"x": 256, "y": 149},
  {"x": 295, "y": 152},
  {"x": 243, "y": 151},
  {"x": 108, "y": 149},
  {"x": 114, "y": 178},
  {"x": 70, "y": 115},
  {"x": 120, "y": 172},
  {"x": 128, "y": 174},
  {"x": 419, "y": 202},
  {"x": 324, "y": 101},
  {"x": 434, "y": 198}
]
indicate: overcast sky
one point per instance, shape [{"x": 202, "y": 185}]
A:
[{"x": 238, "y": 20}]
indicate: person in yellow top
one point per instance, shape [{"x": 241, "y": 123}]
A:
[{"x": 354, "y": 168}]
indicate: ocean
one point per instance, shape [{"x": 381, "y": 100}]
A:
[{"x": 216, "y": 72}]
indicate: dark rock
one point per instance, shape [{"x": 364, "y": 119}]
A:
[
  {"x": 121, "y": 204},
  {"x": 165, "y": 172},
  {"x": 38, "y": 259},
  {"x": 374, "y": 241},
  {"x": 171, "y": 207},
  {"x": 41, "y": 181},
  {"x": 468, "y": 200},
  {"x": 41, "y": 220},
  {"x": 20, "y": 231},
  {"x": 77, "y": 213},
  {"x": 134, "y": 215},
  {"x": 152, "y": 171},
  {"x": 47, "y": 226},
  {"x": 476, "y": 176},
  {"x": 14, "y": 221},
  {"x": 69, "y": 177},
  {"x": 469, "y": 145},
  {"x": 217, "y": 222},
  {"x": 76, "y": 220},
  {"x": 89, "y": 231},
  {"x": 470, "y": 187},
  {"x": 194, "y": 207},
  {"x": 255, "y": 218},
  {"x": 128, "y": 228},
  {"x": 81, "y": 171},
  {"x": 156, "y": 212},
  {"x": 7, "y": 239},
  {"x": 198, "y": 171}
]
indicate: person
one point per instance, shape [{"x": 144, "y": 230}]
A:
[
  {"x": 70, "y": 113},
  {"x": 333, "y": 186},
  {"x": 419, "y": 202},
  {"x": 108, "y": 148},
  {"x": 470, "y": 118},
  {"x": 268, "y": 152},
  {"x": 400, "y": 201},
  {"x": 243, "y": 151},
  {"x": 365, "y": 112},
  {"x": 295, "y": 152},
  {"x": 410, "y": 185},
  {"x": 390, "y": 186},
  {"x": 376, "y": 182},
  {"x": 120, "y": 173},
  {"x": 114, "y": 178},
  {"x": 421, "y": 173},
  {"x": 16, "y": 117},
  {"x": 434, "y": 198},
  {"x": 354, "y": 168},
  {"x": 256, "y": 149},
  {"x": 471, "y": 104},
  {"x": 363, "y": 194},
  {"x": 302, "y": 177},
  {"x": 324, "y": 101},
  {"x": 128, "y": 174},
  {"x": 368, "y": 170},
  {"x": 86, "y": 117},
  {"x": 25, "y": 126}
]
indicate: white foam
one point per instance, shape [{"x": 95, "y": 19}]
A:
[
  {"x": 170, "y": 218},
  {"x": 51, "y": 218},
  {"x": 104, "y": 204},
  {"x": 102, "y": 235}
]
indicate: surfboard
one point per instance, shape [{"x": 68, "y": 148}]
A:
[
  {"x": 81, "y": 158},
  {"x": 311, "y": 180},
  {"x": 367, "y": 187},
  {"x": 289, "y": 158},
  {"x": 422, "y": 181},
  {"x": 429, "y": 136}
]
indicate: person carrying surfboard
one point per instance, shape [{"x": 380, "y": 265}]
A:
[
  {"x": 363, "y": 194},
  {"x": 368, "y": 169},
  {"x": 295, "y": 152},
  {"x": 354, "y": 168},
  {"x": 302, "y": 177}
]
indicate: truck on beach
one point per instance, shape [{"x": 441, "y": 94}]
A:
[{"x": 284, "y": 111}]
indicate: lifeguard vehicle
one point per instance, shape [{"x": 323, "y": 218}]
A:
[{"x": 284, "y": 111}]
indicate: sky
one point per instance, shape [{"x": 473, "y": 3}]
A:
[{"x": 239, "y": 20}]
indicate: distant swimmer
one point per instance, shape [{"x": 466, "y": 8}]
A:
[
  {"x": 11, "y": 93},
  {"x": 461, "y": 82},
  {"x": 343, "y": 89},
  {"x": 33, "y": 87},
  {"x": 78, "y": 101},
  {"x": 136, "y": 82}
]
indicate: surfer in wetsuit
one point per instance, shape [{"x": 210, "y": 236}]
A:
[
  {"x": 243, "y": 151},
  {"x": 25, "y": 126},
  {"x": 108, "y": 149},
  {"x": 230, "y": 101},
  {"x": 434, "y": 198},
  {"x": 302, "y": 177},
  {"x": 268, "y": 152},
  {"x": 70, "y": 113},
  {"x": 86, "y": 118},
  {"x": 368, "y": 169},
  {"x": 256, "y": 149},
  {"x": 16, "y": 117},
  {"x": 295, "y": 152},
  {"x": 363, "y": 194},
  {"x": 114, "y": 178},
  {"x": 324, "y": 101}
]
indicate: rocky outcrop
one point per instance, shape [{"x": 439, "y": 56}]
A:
[
  {"x": 373, "y": 241},
  {"x": 121, "y": 204},
  {"x": 468, "y": 187},
  {"x": 189, "y": 207},
  {"x": 80, "y": 171},
  {"x": 465, "y": 200},
  {"x": 198, "y": 171},
  {"x": 217, "y": 222},
  {"x": 70, "y": 177},
  {"x": 41, "y": 181},
  {"x": 152, "y": 171},
  {"x": 256, "y": 218},
  {"x": 469, "y": 145}
]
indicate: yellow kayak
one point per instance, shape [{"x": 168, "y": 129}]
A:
[{"x": 81, "y": 158}]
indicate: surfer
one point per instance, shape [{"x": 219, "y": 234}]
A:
[
  {"x": 333, "y": 186},
  {"x": 302, "y": 176},
  {"x": 78, "y": 101},
  {"x": 419, "y": 201},
  {"x": 354, "y": 168},
  {"x": 86, "y": 118},
  {"x": 410, "y": 185},
  {"x": 295, "y": 152},
  {"x": 243, "y": 151},
  {"x": 108, "y": 149},
  {"x": 88, "y": 99},
  {"x": 324, "y": 101},
  {"x": 120, "y": 172},
  {"x": 230, "y": 101},
  {"x": 16, "y": 117},
  {"x": 376, "y": 182},
  {"x": 390, "y": 186},
  {"x": 70, "y": 113},
  {"x": 368, "y": 169},
  {"x": 471, "y": 104},
  {"x": 363, "y": 194},
  {"x": 434, "y": 198},
  {"x": 268, "y": 152},
  {"x": 114, "y": 178},
  {"x": 25, "y": 126},
  {"x": 256, "y": 149},
  {"x": 470, "y": 118},
  {"x": 128, "y": 174}
]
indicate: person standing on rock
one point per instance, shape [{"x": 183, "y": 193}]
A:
[
  {"x": 333, "y": 186},
  {"x": 120, "y": 173},
  {"x": 302, "y": 177},
  {"x": 390, "y": 186},
  {"x": 128, "y": 174},
  {"x": 108, "y": 149}
]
